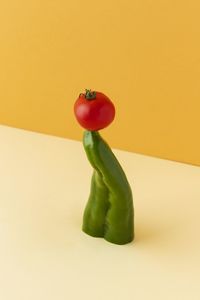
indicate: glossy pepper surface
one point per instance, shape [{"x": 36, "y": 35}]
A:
[{"x": 109, "y": 211}]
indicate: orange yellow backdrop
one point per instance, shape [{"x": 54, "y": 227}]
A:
[{"x": 145, "y": 55}]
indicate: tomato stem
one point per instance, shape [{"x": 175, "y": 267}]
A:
[{"x": 89, "y": 95}]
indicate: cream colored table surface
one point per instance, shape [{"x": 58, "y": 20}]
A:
[{"x": 44, "y": 255}]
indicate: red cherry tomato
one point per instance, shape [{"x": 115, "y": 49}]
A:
[{"x": 94, "y": 110}]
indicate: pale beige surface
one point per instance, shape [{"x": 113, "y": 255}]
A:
[{"x": 44, "y": 184}]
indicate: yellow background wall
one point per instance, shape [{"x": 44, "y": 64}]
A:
[{"x": 145, "y": 55}]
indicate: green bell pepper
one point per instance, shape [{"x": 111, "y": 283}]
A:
[{"x": 109, "y": 212}]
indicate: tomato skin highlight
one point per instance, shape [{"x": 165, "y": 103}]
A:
[{"x": 95, "y": 113}]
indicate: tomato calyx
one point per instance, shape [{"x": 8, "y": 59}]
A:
[{"x": 89, "y": 95}]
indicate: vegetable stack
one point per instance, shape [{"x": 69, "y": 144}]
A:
[{"x": 109, "y": 211}]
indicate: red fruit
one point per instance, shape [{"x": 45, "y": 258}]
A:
[{"x": 94, "y": 110}]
